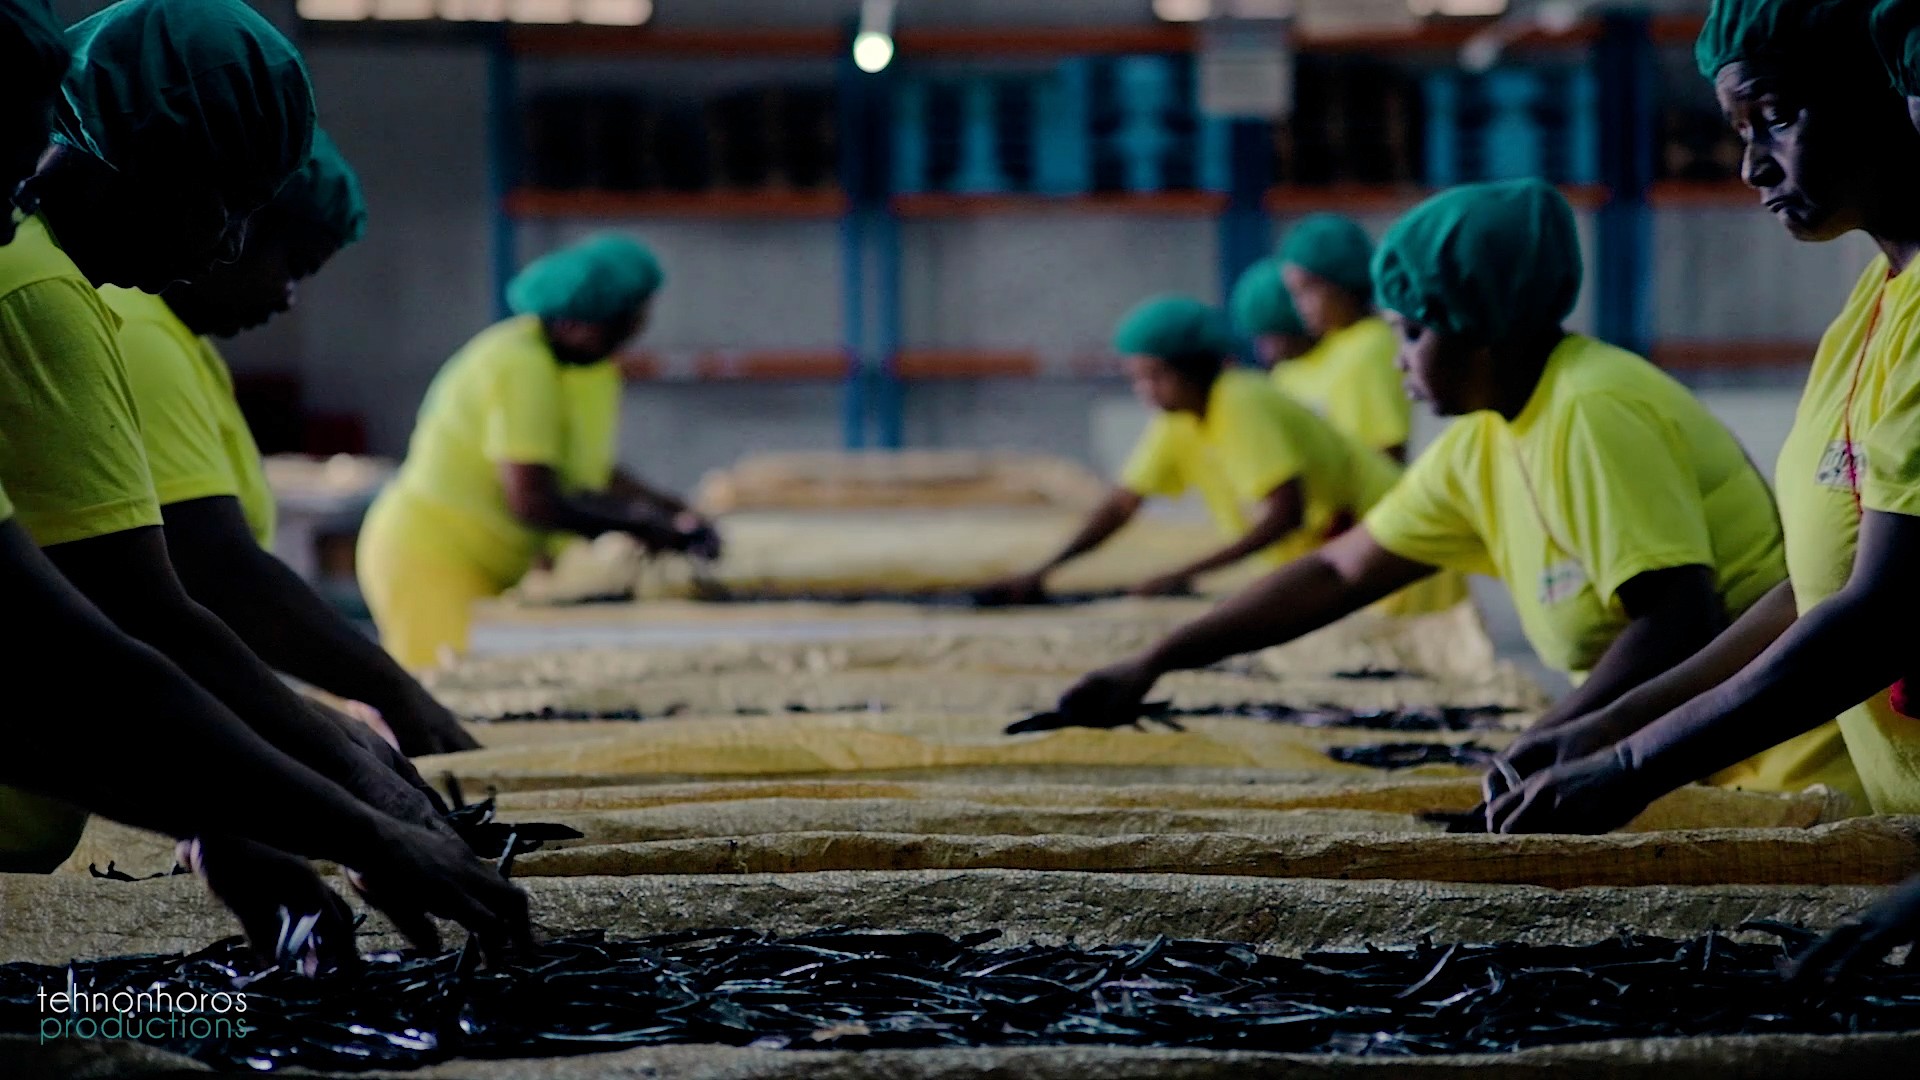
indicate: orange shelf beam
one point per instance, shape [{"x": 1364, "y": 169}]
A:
[
  {"x": 1440, "y": 34},
  {"x": 1044, "y": 40},
  {"x": 1731, "y": 193},
  {"x": 1730, "y": 355},
  {"x": 1307, "y": 198},
  {"x": 1674, "y": 29},
  {"x": 642, "y": 365},
  {"x": 925, "y": 364},
  {"x": 944, "y": 204},
  {"x": 996, "y": 41},
  {"x": 537, "y": 203}
]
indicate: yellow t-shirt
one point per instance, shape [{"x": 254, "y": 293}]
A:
[
  {"x": 1816, "y": 498},
  {"x": 1612, "y": 470},
  {"x": 198, "y": 444},
  {"x": 70, "y": 452},
  {"x": 1350, "y": 378},
  {"x": 504, "y": 398},
  {"x": 1254, "y": 439}
]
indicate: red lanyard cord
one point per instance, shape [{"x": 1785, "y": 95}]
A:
[{"x": 1852, "y": 457}]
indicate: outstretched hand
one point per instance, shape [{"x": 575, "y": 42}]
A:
[
  {"x": 1889, "y": 924},
  {"x": 290, "y": 917},
  {"x": 421, "y": 874},
  {"x": 1594, "y": 794},
  {"x": 1164, "y": 585},
  {"x": 1028, "y": 588},
  {"x": 1109, "y": 698}
]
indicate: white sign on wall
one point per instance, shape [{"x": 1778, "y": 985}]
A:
[{"x": 1245, "y": 71}]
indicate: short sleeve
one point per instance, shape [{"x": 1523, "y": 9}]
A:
[
  {"x": 1257, "y": 453},
  {"x": 1629, "y": 497},
  {"x": 1154, "y": 466},
  {"x": 1891, "y": 479},
  {"x": 525, "y": 411},
  {"x": 185, "y": 450},
  {"x": 1425, "y": 517},
  {"x": 1369, "y": 399},
  {"x": 70, "y": 448}
]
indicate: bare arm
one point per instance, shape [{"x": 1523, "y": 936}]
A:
[
  {"x": 292, "y": 628},
  {"x": 535, "y": 496},
  {"x": 1343, "y": 576},
  {"x": 626, "y": 485},
  {"x": 1112, "y": 515},
  {"x": 1835, "y": 656},
  {"x": 151, "y": 748},
  {"x": 1574, "y": 736},
  {"x": 159, "y": 752},
  {"x": 1674, "y": 613},
  {"x": 1281, "y": 513},
  {"x": 129, "y": 577}
]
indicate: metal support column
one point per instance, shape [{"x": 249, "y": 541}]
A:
[
  {"x": 889, "y": 391},
  {"x": 503, "y": 154},
  {"x": 1246, "y": 236},
  {"x": 871, "y": 410},
  {"x": 1625, "y": 65},
  {"x": 855, "y": 117}
]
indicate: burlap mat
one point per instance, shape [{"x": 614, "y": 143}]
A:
[
  {"x": 675, "y": 812},
  {"x": 1863, "y": 851},
  {"x": 905, "y": 551},
  {"x": 1771, "y": 1057},
  {"x": 51, "y": 919},
  {"x": 1450, "y": 644},
  {"x": 1008, "y": 695},
  {"x": 1691, "y": 807}
]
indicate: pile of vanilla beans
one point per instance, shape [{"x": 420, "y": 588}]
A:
[{"x": 865, "y": 989}]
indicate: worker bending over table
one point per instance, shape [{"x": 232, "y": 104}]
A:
[
  {"x": 214, "y": 496},
  {"x": 1277, "y": 479},
  {"x": 83, "y": 562},
  {"x": 515, "y": 443},
  {"x": 1349, "y": 375},
  {"x": 1625, "y": 519}
]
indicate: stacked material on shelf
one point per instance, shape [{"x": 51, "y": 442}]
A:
[{"x": 896, "y": 479}]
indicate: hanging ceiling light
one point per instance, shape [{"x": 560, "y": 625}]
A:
[
  {"x": 616, "y": 12},
  {"x": 873, "y": 44},
  {"x": 1182, "y": 10}
]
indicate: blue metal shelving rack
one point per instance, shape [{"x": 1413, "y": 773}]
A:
[{"x": 885, "y": 151}]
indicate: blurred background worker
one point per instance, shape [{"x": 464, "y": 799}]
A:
[
  {"x": 1627, "y": 522},
  {"x": 1276, "y": 478},
  {"x": 1263, "y": 313},
  {"x": 214, "y": 496},
  {"x": 1349, "y": 375},
  {"x": 516, "y": 441}
]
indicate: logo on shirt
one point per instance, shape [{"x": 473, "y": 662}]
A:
[
  {"x": 1561, "y": 581},
  {"x": 1833, "y": 470}
]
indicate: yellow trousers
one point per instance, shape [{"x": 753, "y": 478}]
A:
[
  {"x": 1817, "y": 757},
  {"x": 420, "y": 589}
]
